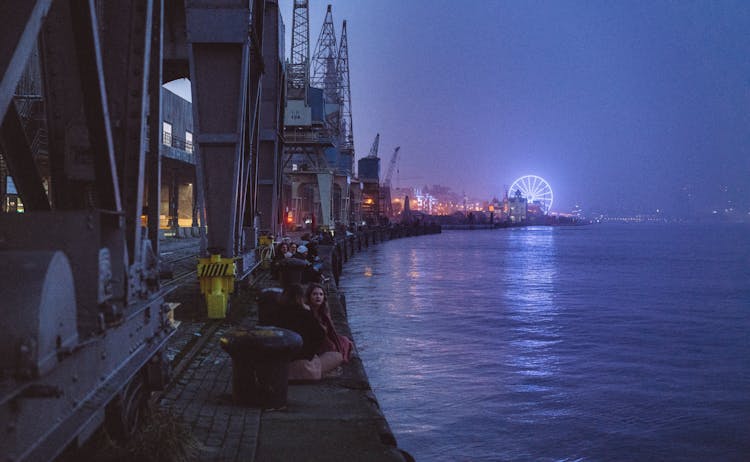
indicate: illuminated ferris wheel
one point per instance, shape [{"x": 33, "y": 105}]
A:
[{"x": 534, "y": 189}]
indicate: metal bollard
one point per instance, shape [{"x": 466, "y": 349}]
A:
[
  {"x": 260, "y": 364},
  {"x": 268, "y": 305}
]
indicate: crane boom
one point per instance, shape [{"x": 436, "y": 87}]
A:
[
  {"x": 391, "y": 167},
  {"x": 374, "y": 148}
]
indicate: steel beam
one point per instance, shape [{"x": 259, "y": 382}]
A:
[
  {"x": 153, "y": 156},
  {"x": 218, "y": 35},
  {"x": 22, "y": 21},
  {"x": 70, "y": 154},
  {"x": 95, "y": 102},
  {"x": 271, "y": 120},
  {"x": 20, "y": 162},
  {"x": 82, "y": 163},
  {"x": 249, "y": 209},
  {"x": 126, "y": 35},
  {"x": 175, "y": 59}
]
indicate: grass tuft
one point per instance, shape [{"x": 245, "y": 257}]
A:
[{"x": 164, "y": 437}]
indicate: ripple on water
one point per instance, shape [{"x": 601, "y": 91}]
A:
[{"x": 549, "y": 344}]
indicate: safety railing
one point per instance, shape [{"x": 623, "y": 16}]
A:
[{"x": 168, "y": 139}]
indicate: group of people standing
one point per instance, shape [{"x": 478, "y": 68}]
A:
[{"x": 306, "y": 312}]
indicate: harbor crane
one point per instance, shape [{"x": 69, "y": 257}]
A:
[
  {"x": 374, "y": 147},
  {"x": 385, "y": 186}
]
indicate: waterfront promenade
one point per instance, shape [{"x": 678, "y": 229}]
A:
[{"x": 337, "y": 418}]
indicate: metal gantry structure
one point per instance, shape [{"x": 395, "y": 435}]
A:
[
  {"x": 83, "y": 309},
  {"x": 323, "y": 72},
  {"x": 319, "y": 141},
  {"x": 346, "y": 123},
  {"x": 299, "y": 64}
]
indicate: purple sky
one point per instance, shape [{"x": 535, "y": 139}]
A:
[{"x": 620, "y": 105}]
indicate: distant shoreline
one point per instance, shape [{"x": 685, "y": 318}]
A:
[{"x": 465, "y": 227}]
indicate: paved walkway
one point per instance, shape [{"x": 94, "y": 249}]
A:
[
  {"x": 336, "y": 419},
  {"x": 202, "y": 397}
]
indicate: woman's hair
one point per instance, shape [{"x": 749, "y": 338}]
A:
[
  {"x": 293, "y": 295},
  {"x": 312, "y": 286}
]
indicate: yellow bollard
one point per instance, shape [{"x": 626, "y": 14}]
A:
[{"x": 216, "y": 276}]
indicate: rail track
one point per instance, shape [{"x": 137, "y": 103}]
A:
[{"x": 194, "y": 333}]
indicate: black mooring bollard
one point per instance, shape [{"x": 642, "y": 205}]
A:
[
  {"x": 268, "y": 300},
  {"x": 260, "y": 364}
]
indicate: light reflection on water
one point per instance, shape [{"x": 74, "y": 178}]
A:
[
  {"x": 528, "y": 296},
  {"x": 557, "y": 344}
]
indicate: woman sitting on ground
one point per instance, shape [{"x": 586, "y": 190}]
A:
[
  {"x": 294, "y": 314},
  {"x": 334, "y": 348}
]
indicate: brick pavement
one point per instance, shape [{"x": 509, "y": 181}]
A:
[{"x": 202, "y": 397}]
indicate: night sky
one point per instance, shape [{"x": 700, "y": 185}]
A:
[{"x": 622, "y": 106}]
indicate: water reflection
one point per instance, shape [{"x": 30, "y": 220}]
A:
[
  {"x": 531, "y": 272},
  {"x": 413, "y": 273},
  {"x": 455, "y": 345},
  {"x": 518, "y": 344}
]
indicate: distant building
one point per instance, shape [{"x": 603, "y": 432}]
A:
[
  {"x": 178, "y": 205},
  {"x": 176, "y": 198},
  {"x": 369, "y": 168},
  {"x": 517, "y": 204},
  {"x": 534, "y": 210}
]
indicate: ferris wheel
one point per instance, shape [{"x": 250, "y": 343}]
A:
[{"x": 534, "y": 189}]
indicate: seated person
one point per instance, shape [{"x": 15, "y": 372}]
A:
[
  {"x": 295, "y": 315},
  {"x": 311, "y": 272},
  {"x": 312, "y": 251},
  {"x": 335, "y": 349},
  {"x": 301, "y": 252},
  {"x": 280, "y": 253}
]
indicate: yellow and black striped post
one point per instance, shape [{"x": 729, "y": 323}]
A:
[{"x": 216, "y": 276}]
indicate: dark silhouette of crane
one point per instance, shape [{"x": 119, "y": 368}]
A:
[
  {"x": 386, "y": 206},
  {"x": 374, "y": 148}
]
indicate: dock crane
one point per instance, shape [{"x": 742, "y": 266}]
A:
[
  {"x": 374, "y": 148},
  {"x": 386, "y": 207}
]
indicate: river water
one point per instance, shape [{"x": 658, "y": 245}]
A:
[{"x": 602, "y": 342}]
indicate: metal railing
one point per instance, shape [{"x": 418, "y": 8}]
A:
[
  {"x": 307, "y": 136},
  {"x": 168, "y": 139}
]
